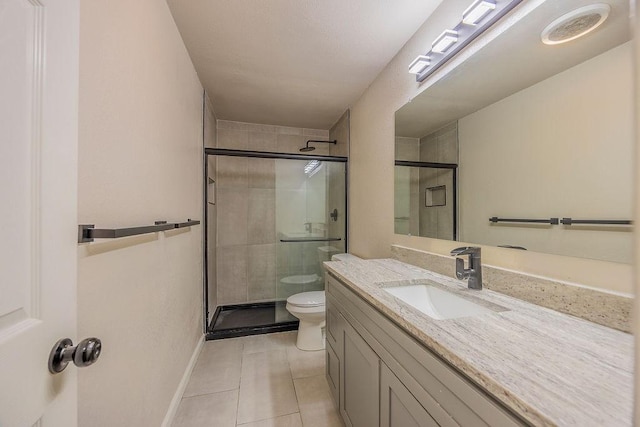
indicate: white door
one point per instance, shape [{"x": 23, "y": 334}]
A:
[{"x": 38, "y": 215}]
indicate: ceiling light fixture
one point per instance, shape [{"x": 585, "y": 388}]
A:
[
  {"x": 576, "y": 23},
  {"x": 419, "y": 64},
  {"x": 477, "y": 18},
  {"x": 444, "y": 41},
  {"x": 478, "y": 10}
]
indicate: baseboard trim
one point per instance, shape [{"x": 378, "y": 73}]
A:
[{"x": 177, "y": 397}]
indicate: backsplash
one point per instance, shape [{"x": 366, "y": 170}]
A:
[{"x": 603, "y": 308}]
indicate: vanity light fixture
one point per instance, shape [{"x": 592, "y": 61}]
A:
[
  {"x": 477, "y": 18},
  {"x": 419, "y": 64},
  {"x": 478, "y": 10},
  {"x": 444, "y": 41}
]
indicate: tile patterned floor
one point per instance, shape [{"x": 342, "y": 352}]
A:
[{"x": 258, "y": 381}]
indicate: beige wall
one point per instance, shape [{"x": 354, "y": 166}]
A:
[
  {"x": 140, "y": 160},
  {"x": 372, "y": 176},
  {"x": 567, "y": 157}
]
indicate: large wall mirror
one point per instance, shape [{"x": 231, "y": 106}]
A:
[{"x": 523, "y": 133}]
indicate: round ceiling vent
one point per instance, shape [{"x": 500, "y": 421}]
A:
[{"x": 575, "y": 24}]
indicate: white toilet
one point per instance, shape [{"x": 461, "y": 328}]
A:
[{"x": 309, "y": 307}]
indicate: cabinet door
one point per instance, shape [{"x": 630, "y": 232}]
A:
[
  {"x": 398, "y": 407},
  {"x": 360, "y": 382},
  {"x": 333, "y": 373}
]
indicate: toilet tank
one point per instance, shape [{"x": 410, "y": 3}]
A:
[{"x": 326, "y": 252}]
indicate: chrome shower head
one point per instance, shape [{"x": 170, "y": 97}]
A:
[{"x": 307, "y": 148}]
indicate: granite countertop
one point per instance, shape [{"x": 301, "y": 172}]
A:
[{"x": 550, "y": 368}]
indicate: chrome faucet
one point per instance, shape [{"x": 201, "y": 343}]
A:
[{"x": 474, "y": 272}]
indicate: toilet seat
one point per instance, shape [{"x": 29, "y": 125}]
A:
[
  {"x": 302, "y": 279},
  {"x": 307, "y": 299}
]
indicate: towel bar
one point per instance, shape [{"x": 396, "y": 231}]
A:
[{"x": 87, "y": 232}]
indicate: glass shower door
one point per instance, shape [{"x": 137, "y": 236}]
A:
[{"x": 310, "y": 222}]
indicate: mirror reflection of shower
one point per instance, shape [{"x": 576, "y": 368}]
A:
[{"x": 306, "y": 148}]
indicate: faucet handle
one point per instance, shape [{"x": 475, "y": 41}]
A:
[
  {"x": 465, "y": 250},
  {"x": 461, "y": 272}
]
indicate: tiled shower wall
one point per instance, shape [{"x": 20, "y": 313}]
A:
[{"x": 246, "y": 208}]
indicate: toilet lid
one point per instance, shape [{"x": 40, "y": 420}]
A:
[
  {"x": 303, "y": 279},
  {"x": 307, "y": 299}
]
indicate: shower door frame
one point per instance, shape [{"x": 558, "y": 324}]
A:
[{"x": 259, "y": 155}]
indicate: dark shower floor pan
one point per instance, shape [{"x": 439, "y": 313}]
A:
[{"x": 250, "y": 319}]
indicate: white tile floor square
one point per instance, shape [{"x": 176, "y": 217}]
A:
[{"x": 258, "y": 381}]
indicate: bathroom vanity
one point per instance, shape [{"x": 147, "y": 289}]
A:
[{"x": 390, "y": 364}]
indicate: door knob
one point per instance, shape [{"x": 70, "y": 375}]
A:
[{"x": 84, "y": 354}]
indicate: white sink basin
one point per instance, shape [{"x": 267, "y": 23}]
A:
[{"x": 436, "y": 303}]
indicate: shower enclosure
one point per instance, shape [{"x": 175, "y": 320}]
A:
[{"x": 272, "y": 219}]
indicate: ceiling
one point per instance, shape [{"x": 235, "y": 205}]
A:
[{"x": 295, "y": 63}]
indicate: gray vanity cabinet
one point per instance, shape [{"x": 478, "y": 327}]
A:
[
  {"x": 334, "y": 333},
  {"x": 352, "y": 371},
  {"x": 359, "y": 395},
  {"x": 381, "y": 376},
  {"x": 398, "y": 407},
  {"x": 333, "y": 373},
  {"x": 334, "y": 322}
]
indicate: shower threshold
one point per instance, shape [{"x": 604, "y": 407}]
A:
[{"x": 240, "y": 320}]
